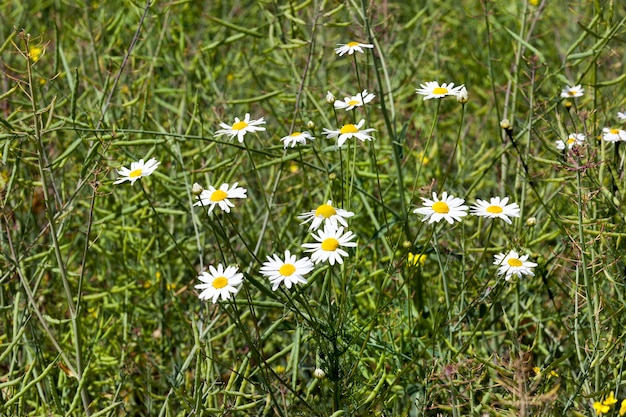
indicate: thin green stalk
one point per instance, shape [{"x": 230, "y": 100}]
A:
[
  {"x": 591, "y": 293},
  {"x": 50, "y": 213},
  {"x": 166, "y": 229},
  {"x": 389, "y": 117},
  {"x": 444, "y": 279},
  {"x": 456, "y": 145},
  {"x": 521, "y": 156}
]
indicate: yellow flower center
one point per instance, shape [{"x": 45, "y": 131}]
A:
[
  {"x": 441, "y": 207},
  {"x": 240, "y": 125},
  {"x": 353, "y": 102},
  {"x": 287, "y": 269},
  {"x": 614, "y": 131},
  {"x": 349, "y": 128},
  {"x": 570, "y": 141},
  {"x": 514, "y": 262},
  {"x": 296, "y": 134},
  {"x": 135, "y": 173},
  {"x": 440, "y": 90},
  {"x": 325, "y": 210},
  {"x": 494, "y": 209},
  {"x": 218, "y": 195},
  {"x": 572, "y": 92},
  {"x": 220, "y": 282},
  {"x": 352, "y": 44},
  {"x": 330, "y": 245}
]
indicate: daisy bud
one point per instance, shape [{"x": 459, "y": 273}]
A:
[
  {"x": 310, "y": 124},
  {"x": 319, "y": 373},
  {"x": 406, "y": 244},
  {"x": 330, "y": 98},
  {"x": 568, "y": 104},
  {"x": 462, "y": 96},
  {"x": 196, "y": 189},
  {"x": 332, "y": 176},
  {"x": 507, "y": 127},
  {"x": 531, "y": 221}
]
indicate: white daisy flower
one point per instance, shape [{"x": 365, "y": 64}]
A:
[
  {"x": 569, "y": 92},
  {"x": 574, "y": 139},
  {"x": 348, "y": 131},
  {"x": 329, "y": 244},
  {"x": 219, "y": 197},
  {"x": 621, "y": 116},
  {"x": 241, "y": 127},
  {"x": 297, "y": 137},
  {"x": 448, "y": 207},
  {"x": 330, "y": 98},
  {"x": 136, "y": 171},
  {"x": 613, "y": 135},
  {"x": 350, "y": 47},
  {"x": 290, "y": 271},
  {"x": 512, "y": 264},
  {"x": 219, "y": 282},
  {"x": 348, "y": 103},
  {"x": 328, "y": 214},
  {"x": 495, "y": 208},
  {"x": 432, "y": 89}
]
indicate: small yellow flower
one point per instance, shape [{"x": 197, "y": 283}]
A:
[
  {"x": 422, "y": 157},
  {"x": 610, "y": 401},
  {"x": 533, "y": 2},
  {"x": 34, "y": 53},
  {"x": 622, "y": 409},
  {"x": 601, "y": 408},
  {"x": 416, "y": 260}
]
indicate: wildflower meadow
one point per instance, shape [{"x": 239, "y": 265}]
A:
[{"x": 313, "y": 208}]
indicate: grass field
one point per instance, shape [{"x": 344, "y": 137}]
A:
[{"x": 196, "y": 222}]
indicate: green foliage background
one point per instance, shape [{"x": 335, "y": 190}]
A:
[{"x": 98, "y": 314}]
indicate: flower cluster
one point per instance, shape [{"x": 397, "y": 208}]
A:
[
  {"x": 451, "y": 209},
  {"x": 329, "y": 247},
  {"x": 609, "y": 134},
  {"x": 604, "y": 406},
  {"x": 328, "y": 224}
]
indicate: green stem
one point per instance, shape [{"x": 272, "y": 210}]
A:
[
  {"x": 444, "y": 280},
  {"x": 389, "y": 117},
  {"x": 456, "y": 145},
  {"x": 591, "y": 295},
  {"x": 50, "y": 213}
]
